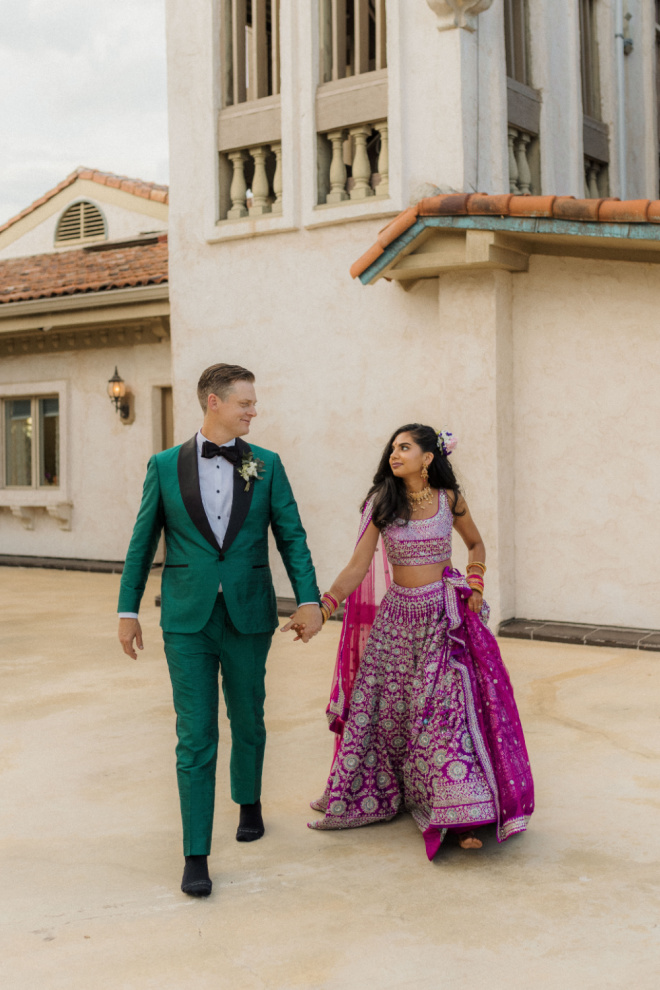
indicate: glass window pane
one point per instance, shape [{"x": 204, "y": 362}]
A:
[
  {"x": 49, "y": 433},
  {"x": 18, "y": 437}
]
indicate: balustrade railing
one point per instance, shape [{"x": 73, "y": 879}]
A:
[
  {"x": 523, "y": 162},
  {"x": 596, "y": 178},
  {"x": 354, "y": 163},
  {"x": 254, "y": 183}
]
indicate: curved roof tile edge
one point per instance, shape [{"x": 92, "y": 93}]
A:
[
  {"x": 137, "y": 187},
  {"x": 607, "y": 210}
]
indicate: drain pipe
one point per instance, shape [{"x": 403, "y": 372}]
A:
[{"x": 621, "y": 97}]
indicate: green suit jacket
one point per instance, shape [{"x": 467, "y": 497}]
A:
[{"x": 195, "y": 564}]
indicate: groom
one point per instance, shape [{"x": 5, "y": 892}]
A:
[{"x": 215, "y": 497}]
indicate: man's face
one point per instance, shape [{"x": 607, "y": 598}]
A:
[{"x": 237, "y": 411}]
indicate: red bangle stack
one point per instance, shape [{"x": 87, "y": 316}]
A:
[{"x": 329, "y": 606}]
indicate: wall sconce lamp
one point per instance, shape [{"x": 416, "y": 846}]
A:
[{"x": 122, "y": 397}]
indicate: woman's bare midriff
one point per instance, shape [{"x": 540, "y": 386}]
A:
[{"x": 418, "y": 576}]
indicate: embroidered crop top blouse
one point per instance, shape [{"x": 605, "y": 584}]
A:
[{"x": 421, "y": 541}]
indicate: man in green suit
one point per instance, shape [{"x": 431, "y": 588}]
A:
[{"x": 214, "y": 497}]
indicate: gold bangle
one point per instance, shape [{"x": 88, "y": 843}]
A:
[{"x": 476, "y": 563}]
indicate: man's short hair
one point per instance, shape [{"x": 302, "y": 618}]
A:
[{"x": 219, "y": 380}]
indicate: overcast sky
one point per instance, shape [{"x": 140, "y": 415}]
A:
[{"x": 82, "y": 82}]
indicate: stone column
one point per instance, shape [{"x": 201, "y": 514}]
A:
[
  {"x": 474, "y": 347},
  {"x": 260, "y": 188},
  {"x": 238, "y": 189},
  {"x": 277, "y": 178},
  {"x": 383, "y": 188},
  {"x": 337, "y": 169},
  {"x": 361, "y": 166}
]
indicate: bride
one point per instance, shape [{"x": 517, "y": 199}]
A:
[{"x": 421, "y": 700}]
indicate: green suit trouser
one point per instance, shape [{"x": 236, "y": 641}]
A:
[{"x": 194, "y": 661}]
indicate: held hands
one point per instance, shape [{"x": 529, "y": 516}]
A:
[
  {"x": 475, "y": 601},
  {"x": 129, "y": 630},
  {"x": 306, "y": 621}
]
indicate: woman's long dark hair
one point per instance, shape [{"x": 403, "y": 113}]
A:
[{"x": 389, "y": 492}]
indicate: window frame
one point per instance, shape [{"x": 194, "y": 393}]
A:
[
  {"x": 516, "y": 41},
  {"x": 35, "y": 494},
  {"x": 591, "y": 95}
]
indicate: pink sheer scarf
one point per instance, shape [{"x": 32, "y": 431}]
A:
[{"x": 359, "y": 613}]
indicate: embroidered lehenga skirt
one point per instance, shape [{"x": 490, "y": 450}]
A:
[{"x": 431, "y": 725}]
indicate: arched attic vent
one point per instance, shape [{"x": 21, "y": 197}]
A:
[{"x": 80, "y": 222}]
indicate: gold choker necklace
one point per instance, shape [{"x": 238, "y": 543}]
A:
[{"x": 417, "y": 499}]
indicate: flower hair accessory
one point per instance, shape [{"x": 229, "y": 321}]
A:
[{"x": 446, "y": 442}]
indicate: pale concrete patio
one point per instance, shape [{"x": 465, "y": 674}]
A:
[{"x": 91, "y": 843}]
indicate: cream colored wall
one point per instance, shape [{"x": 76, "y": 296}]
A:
[
  {"x": 339, "y": 365},
  {"x": 587, "y": 407},
  {"x": 125, "y": 216},
  {"x": 106, "y": 461}
]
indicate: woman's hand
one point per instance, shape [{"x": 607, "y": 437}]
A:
[{"x": 475, "y": 601}]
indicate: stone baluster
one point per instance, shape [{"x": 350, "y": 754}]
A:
[
  {"x": 277, "y": 178},
  {"x": 238, "y": 188},
  {"x": 260, "y": 186},
  {"x": 524, "y": 174},
  {"x": 513, "y": 164},
  {"x": 592, "y": 171},
  {"x": 361, "y": 165},
  {"x": 383, "y": 187},
  {"x": 337, "y": 192}
]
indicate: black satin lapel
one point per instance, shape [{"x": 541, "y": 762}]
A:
[
  {"x": 188, "y": 472},
  {"x": 241, "y": 499}
]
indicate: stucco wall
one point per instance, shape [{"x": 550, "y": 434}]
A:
[
  {"x": 500, "y": 358},
  {"x": 106, "y": 461},
  {"x": 587, "y": 407}
]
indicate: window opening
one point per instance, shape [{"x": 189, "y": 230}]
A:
[
  {"x": 353, "y": 38},
  {"x": 515, "y": 41},
  {"x": 589, "y": 59},
  {"x": 32, "y": 442}
]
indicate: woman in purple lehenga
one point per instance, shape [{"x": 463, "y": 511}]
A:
[{"x": 421, "y": 700}]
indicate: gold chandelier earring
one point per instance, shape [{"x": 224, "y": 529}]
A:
[{"x": 425, "y": 473}]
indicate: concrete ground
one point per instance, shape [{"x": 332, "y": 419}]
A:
[{"x": 91, "y": 857}]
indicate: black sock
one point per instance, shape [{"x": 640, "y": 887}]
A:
[
  {"x": 250, "y": 816},
  {"x": 196, "y": 869}
]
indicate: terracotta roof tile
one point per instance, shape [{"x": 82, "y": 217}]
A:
[
  {"x": 447, "y": 204},
  {"x": 626, "y": 211},
  {"x": 397, "y": 227},
  {"x": 368, "y": 258},
  {"x": 480, "y": 203},
  {"x": 145, "y": 190},
  {"x": 531, "y": 206},
  {"x": 44, "y": 275},
  {"x": 653, "y": 213},
  {"x": 609, "y": 210},
  {"x": 569, "y": 208}
]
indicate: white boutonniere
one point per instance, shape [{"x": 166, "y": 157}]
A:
[{"x": 249, "y": 469}]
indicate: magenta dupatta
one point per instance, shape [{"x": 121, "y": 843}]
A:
[{"x": 473, "y": 649}]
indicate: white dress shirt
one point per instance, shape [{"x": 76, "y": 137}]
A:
[{"x": 216, "y": 484}]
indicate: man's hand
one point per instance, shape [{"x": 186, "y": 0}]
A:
[
  {"x": 307, "y": 621},
  {"x": 475, "y": 601},
  {"x": 129, "y": 630}
]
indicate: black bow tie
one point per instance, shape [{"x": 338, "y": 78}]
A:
[{"x": 212, "y": 450}]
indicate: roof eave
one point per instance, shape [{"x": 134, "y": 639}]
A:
[
  {"x": 626, "y": 237},
  {"x": 95, "y": 299}
]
